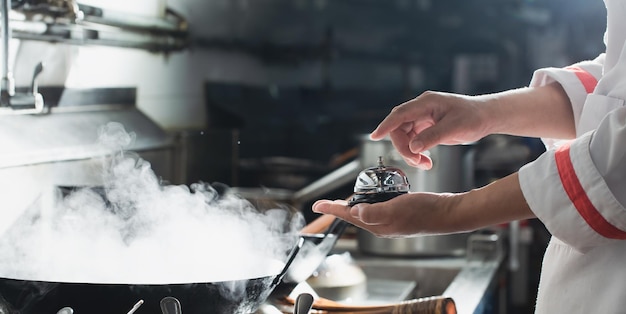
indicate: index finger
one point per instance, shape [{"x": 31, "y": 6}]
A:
[{"x": 401, "y": 117}]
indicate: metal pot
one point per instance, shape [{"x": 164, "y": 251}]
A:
[
  {"x": 28, "y": 296},
  {"x": 453, "y": 171}
]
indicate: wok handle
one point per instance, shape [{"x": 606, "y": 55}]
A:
[
  {"x": 429, "y": 305},
  {"x": 292, "y": 256}
]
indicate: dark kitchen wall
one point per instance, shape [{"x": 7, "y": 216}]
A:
[{"x": 325, "y": 71}]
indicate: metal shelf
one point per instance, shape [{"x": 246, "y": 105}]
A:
[{"x": 94, "y": 26}]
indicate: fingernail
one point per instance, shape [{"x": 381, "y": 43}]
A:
[
  {"x": 426, "y": 162},
  {"x": 416, "y": 146},
  {"x": 318, "y": 206}
]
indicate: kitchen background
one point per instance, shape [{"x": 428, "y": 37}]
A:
[
  {"x": 275, "y": 93},
  {"x": 301, "y": 78}
]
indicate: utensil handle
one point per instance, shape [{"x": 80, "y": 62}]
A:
[
  {"x": 429, "y": 305},
  {"x": 292, "y": 256}
]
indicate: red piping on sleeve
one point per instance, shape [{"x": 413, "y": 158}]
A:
[
  {"x": 579, "y": 198},
  {"x": 588, "y": 80}
]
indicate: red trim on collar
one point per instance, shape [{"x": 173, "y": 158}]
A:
[
  {"x": 588, "y": 80},
  {"x": 579, "y": 198}
]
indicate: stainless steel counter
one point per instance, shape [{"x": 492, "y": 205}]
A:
[
  {"x": 471, "y": 282},
  {"x": 474, "y": 286}
]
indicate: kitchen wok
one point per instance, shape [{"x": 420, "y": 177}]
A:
[{"x": 42, "y": 297}]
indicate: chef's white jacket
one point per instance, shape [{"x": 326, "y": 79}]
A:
[{"x": 578, "y": 187}]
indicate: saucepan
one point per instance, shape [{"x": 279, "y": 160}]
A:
[{"x": 32, "y": 296}]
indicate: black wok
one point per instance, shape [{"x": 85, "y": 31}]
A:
[{"x": 42, "y": 297}]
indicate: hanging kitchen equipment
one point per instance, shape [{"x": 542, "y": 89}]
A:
[{"x": 452, "y": 171}]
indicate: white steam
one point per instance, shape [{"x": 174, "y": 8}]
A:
[{"x": 145, "y": 232}]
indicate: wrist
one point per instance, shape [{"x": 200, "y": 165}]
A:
[
  {"x": 491, "y": 113},
  {"x": 453, "y": 210}
]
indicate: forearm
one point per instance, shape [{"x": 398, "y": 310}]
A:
[
  {"x": 499, "y": 202},
  {"x": 533, "y": 111}
]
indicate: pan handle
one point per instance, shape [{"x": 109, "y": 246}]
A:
[
  {"x": 292, "y": 256},
  {"x": 336, "y": 228}
]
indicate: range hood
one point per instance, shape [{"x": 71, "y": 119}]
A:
[
  {"x": 60, "y": 148},
  {"x": 70, "y": 131}
]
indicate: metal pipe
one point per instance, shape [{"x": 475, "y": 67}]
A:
[
  {"x": 340, "y": 176},
  {"x": 7, "y": 88},
  {"x": 24, "y": 103},
  {"x": 6, "y": 33}
]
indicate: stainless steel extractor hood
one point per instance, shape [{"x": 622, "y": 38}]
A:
[{"x": 60, "y": 148}]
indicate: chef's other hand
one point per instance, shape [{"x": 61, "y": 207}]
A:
[
  {"x": 431, "y": 119},
  {"x": 403, "y": 216},
  {"x": 422, "y": 213}
]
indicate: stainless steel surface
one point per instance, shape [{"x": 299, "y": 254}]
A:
[
  {"x": 329, "y": 182},
  {"x": 7, "y": 84},
  {"x": 378, "y": 184},
  {"x": 67, "y": 9},
  {"x": 453, "y": 169},
  {"x": 304, "y": 302},
  {"x": 432, "y": 245},
  {"x": 41, "y": 152},
  {"x": 30, "y": 139},
  {"x": 24, "y": 103},
  {"x": 75, "y": 23},
  {"x": 381, "y": 179},
  {"x": 369, "y": 151},
  {"x": 469, "y": 283},
  {"x": 135, "y": 307}
]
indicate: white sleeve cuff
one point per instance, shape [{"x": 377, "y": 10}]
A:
[{"x": 548, "y": 191}]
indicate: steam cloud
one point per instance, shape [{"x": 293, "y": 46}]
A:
[{"x": 145, "y": 232}]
